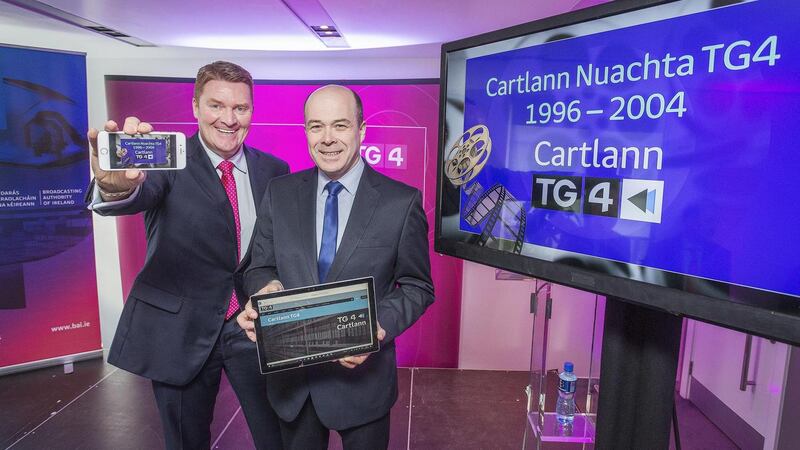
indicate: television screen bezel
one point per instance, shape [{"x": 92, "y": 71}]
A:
[{"x": 771, "y": 316}]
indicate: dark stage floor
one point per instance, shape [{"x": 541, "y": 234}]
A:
[{"x": 101, "y": 407}]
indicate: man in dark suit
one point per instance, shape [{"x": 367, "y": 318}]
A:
[
  {"x": 338, "y": 221},
  {"x": 177, "y": 326}
]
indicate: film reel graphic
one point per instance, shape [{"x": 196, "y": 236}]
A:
[
  {"x": 468, "y": 155},
  {"x": 503, "y": 217},
  {"x": 496, "y": 212}
]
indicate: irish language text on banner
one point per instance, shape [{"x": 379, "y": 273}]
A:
[{"x": 48, "y": 292}]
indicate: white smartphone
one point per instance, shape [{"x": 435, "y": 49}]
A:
[{"x": 152, "y": 151}]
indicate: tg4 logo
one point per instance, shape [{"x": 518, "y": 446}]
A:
[{"x": 629, "y": 199}]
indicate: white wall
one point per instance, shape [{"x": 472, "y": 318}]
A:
[
  {"x": 106, "y": 56},
  {"x": 497, "y": 326},
  {"x": 716, "y": 355},
  {"x": 496, "y": 323}
]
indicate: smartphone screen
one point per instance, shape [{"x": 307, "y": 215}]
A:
[{"x": 150, "y": 151}]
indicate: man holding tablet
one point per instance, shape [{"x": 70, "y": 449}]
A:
[{"x": 340, "y": 221}]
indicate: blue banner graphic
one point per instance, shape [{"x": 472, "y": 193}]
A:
[{"x": 46, "y": 249}]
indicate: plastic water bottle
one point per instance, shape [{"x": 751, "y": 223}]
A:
[{"x": 565, "y": 405}]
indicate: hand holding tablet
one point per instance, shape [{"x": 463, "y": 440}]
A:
[{"x": 314, "y": 324}]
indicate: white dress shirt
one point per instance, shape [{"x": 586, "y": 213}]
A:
[{"x": 244, "y": 194}]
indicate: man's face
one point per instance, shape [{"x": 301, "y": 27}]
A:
[
  {"x": 223, "y": 112},
  {"x": 334, "y": 137}
]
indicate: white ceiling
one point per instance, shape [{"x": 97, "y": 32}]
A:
[{"x": 270, "y": 25}]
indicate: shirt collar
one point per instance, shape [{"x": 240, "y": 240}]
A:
[
  {"x": 238, "y": 159},
  {"x": 349, "y": 180}
]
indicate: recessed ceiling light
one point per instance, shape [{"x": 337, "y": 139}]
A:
[
  {"x": 319, "y": 29},
  {"x": 311, "y": 12}
]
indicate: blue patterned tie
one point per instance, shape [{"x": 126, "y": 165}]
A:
[{"x": 330, "y": 230}]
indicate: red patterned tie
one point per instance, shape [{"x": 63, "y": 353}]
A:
[{"x": 229, "y": 183}]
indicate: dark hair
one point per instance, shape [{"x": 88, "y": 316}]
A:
[
  {"x": 221, "y": 71},
  {"x": 356, "y": 97}
]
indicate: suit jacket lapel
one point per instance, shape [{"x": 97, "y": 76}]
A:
[
  {"x": 206, "y": 176},
  {"x": 307, "y": 221},
  {"x": 364, "y": 206},
  {"x": 258, "y": 187},
  {"x": 258, "y": 180}
]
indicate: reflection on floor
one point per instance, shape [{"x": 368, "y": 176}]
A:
[{"x": 101, "y": 407}]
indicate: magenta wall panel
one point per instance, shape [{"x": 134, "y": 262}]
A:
[{"x": 402, "y": 121}]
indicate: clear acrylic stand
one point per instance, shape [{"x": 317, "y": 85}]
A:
[{"x": 582, "y": 346}]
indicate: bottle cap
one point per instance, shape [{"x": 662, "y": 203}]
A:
[{"x": 568, "y": 367}]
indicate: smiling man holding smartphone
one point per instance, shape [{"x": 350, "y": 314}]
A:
[{"x": 178, "y": 325}]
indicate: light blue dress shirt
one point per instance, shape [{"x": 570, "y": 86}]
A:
[{"x": 346, "y": 197}]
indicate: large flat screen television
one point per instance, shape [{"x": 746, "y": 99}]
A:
[{"x": 642, "y": 150}]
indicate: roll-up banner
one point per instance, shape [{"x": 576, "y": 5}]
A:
[{"x": 48, "y": 290}]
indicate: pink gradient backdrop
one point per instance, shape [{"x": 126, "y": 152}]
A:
[
  {"x": 396, "y": 115},
  {"x": 61, "y": 292}
]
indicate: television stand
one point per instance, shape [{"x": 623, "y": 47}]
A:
[{"x": 638, "y": 367}]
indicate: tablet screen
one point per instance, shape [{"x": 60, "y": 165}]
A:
[{"x": 315, "y": 324}]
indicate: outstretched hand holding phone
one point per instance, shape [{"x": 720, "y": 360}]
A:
[{"x": 117, "y": 185}]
